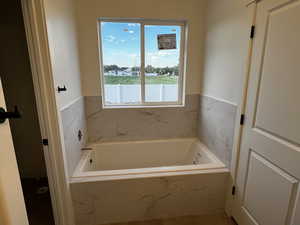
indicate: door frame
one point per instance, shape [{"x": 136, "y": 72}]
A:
[
  {"x": 238, "y": 129},
  {"x": 49, "y": 120}
]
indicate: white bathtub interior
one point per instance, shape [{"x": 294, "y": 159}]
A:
[{"x": 170, "y": 155}]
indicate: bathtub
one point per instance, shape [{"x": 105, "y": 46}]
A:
[{"x": 141, "y": 180}]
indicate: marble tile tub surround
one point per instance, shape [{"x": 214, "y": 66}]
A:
[
  {"x": 141, "y": 123},
  {"x": 120, "y": 201},
  {"x": 74, "y": 119},
  {"x": 216, "y": 127}
]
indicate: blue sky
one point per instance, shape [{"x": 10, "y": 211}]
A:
[{"x": 121, "y": 45}]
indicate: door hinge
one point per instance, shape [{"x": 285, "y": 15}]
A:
[
  {"x": 252, "y": 32},
  {"x": 233, "y": 190},
  {"x": 242, "y": 120},
  {"x": 45, "y": 142}
]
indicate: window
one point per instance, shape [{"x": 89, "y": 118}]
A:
[{"x": 142, "y": 62}]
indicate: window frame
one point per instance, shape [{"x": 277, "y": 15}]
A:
[{"x": 182, "y": 62}]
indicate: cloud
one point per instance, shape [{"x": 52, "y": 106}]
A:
[
  {"x": 132, "y": 24},
  {"x": 129, "y": 31},
  {"x": 133, "y": 55},
  {"x": 163, "y": 53},
  {"x": 122, "y": 58},
  {"x": 110, "y": 38},
  {"x": 167, "y": 53},
  {"x": 113, "y": 39},
  {"x": 119, "y": 41},
  {"x": 162, "y": 58}
]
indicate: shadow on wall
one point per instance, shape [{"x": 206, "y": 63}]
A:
[
  {"x": 226, "y": 38},
  {"x": 75, "y": 132},
  {"x": 216, "y": 127}
]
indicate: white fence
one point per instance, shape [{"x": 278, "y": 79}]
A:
[{"x": 131, "y": 93}]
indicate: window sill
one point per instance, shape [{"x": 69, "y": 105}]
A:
[{"x": 142, "y": 106}]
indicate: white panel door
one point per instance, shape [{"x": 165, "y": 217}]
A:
[
  {"x": 12, "y": 206},
  {"x": 269, "y": 167}
]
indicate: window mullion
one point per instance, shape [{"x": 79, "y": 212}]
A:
[
  {"x": 143, "y": 62},
  {"x": 181, "y": 68}
]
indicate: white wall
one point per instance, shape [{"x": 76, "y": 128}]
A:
[
  {"x": 62, "y": 35},
  {"x": 89, "y": 11},
  {"x": 226, "y": 47},
  {"x": 63, "y": 45}
]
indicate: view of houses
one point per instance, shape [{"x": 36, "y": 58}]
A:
[
  {"x": 115, "y": 70},
  {"x": 123, "y": 84}
]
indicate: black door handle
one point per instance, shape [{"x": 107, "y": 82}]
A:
[
  {"x": 60, "y": 89},
  {"x": 9, "y": 115}
]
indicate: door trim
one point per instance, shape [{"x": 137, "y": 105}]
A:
[
  {"x": 38, "y": 48},
  {"x": 238, "y": 129},
  {"x": 243, "y": 100}
]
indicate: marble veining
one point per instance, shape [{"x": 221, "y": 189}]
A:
[
  {"x": 216, "y": 127},
  {"x": 214, "y": 219},
  {"x": 141, "y": 123},
  {"x": 74, "y": 119},
  {"x": 143, "y": 199},
  {"x": 104, "y": 202}
]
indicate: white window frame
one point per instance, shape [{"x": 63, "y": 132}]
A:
[{"x": 182, "y": 62}]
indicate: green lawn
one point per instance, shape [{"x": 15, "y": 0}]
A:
[{"x": 136, "y": 80}]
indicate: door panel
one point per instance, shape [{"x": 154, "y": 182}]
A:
[
  {"x": 12, "y": 206},
  {"x": 279, "y": 87},
  {"x": 260, "y": 199},
  {"x": 269, "y": 166}
]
